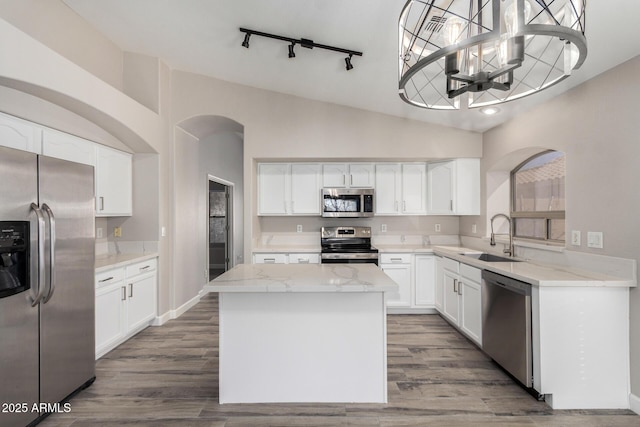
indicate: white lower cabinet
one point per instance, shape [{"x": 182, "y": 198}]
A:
[
  {"x": 415, "y": 276},
  {"x": 398, "y": 267},
  {"x": 125, "y": 303},
  {"x": 286, "y": 258},
  {"x": 460, "y": 287}
]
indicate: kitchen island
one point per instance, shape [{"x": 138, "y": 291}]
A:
[{"x": 302, "y": 333}]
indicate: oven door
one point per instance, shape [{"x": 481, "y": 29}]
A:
[{"x": 351, "y": 258}]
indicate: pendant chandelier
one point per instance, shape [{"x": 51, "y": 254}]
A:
[{"x": 473, "y": 53}]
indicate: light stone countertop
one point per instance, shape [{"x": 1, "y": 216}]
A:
[
  {"x": 109, "y": 261},
  {"x": 541, "y": 275},
  {"x": 401, "y": 248},
  {"x": 287, "y": 249},
  {"x": 303, "y": 278}
]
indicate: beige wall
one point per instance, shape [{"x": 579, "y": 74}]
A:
[
  {"x": 597, "y": 125},
  {"x": 51, "y": 22}
]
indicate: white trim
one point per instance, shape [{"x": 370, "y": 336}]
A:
[
  {"x": 161, "y": 320},
  {"x": 174, "y": 314},
  {"x": 634, "y": 403}
]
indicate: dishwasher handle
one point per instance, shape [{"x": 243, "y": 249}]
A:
[{"x": 509, "y": 283}]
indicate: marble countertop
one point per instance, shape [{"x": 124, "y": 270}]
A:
[
  {"x": 303, "y": 278},
  {"x": 109, "y": 261},
  {"x": 537, "y": 274},
  {"x": 287, "y": 249}
]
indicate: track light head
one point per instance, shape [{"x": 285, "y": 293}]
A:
[
  {"x": 347, "y": 61},
  {"x": 245, "y": 43},
  {"x": 292, "y": 54}
]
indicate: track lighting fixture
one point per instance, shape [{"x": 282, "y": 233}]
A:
[
  {"x": 306, "y": 43},
  {"x": 347, "y": 60},
  {"x": 245, "y": 43}
]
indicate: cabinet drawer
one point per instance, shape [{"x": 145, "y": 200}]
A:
[
  {"x": 109, "y": 277},
  {"x": 304, "y": 258},
  {"x": 451, "y": 265},
  {"x": 395, "y": 258},
  {"x": 472, "y": 273},
  {"x": 141, "y": 267},
  {"x": 269, "y": 259}
]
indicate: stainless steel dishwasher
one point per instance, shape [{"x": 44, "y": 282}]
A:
[{"x": 506, "y": 324}]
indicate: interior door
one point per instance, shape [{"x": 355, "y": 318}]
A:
[
  {"x": 18, "y": 319},
  {"x": 67, "y": 333}
]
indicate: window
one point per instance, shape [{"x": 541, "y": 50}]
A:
[{"x": 538, "y": 198}]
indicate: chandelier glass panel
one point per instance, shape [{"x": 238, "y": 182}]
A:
[{"x": 473, "y": 53}]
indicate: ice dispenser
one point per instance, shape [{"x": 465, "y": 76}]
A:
[{"x": 14, "y": 257}]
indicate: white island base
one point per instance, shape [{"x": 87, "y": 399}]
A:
[{"x": 302, "y": 333}]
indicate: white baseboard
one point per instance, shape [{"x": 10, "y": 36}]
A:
[
  {"x": 174, "y": 314},
  {"x": 634, "y": 403}
]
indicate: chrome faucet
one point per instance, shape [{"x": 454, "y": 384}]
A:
[{"x": 492, "y": 242}]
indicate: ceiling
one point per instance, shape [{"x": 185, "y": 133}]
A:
[{"x": 202, "y": 36}]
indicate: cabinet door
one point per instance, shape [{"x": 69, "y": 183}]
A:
[
  {"x": 388, "y": 185},
  {"x": 110, "y": 317},
  {"x": 440, "y": 188},
  {"x": 439, "y": 291},
  {"x": 467, "y": 187},
  {"x": 401, "y": 274},
  {"x": 414, "y": 189},
  {"x": 361, "y": 175},
  {"x": 20, "y": 134},
  {"x": 334, "y": 175},
  {"x": 113, "y": 176},
  {"x": 471, "y": 309},
  {"x": 141, "y": 300},
  {"x": 450, "y": 297},
  {"x": 425, "y": 280},
  {"x": 68, "y": 147},
  {"x": 305, "y": 189},
  {"x": 274, "y": 182}
]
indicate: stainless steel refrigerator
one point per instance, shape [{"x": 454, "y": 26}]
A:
[{"x": 47, "y": 293}]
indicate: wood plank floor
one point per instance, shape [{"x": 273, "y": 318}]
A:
[{"x": 167, "y": 376}]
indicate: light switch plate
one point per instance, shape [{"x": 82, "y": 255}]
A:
[
  {"x": 383, "y": 228},
  {"x": 595, "y": 239},
  {"x": 474, "y": 228},
  {"x": 299, "y": 228},
  {"x": 575, "y": 237},
  {"x": 438, "y": 228}
]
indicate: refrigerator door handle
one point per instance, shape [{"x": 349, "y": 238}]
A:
[
  {"x": 41, "y": 228},
  {"x": 52, "y": 251}
]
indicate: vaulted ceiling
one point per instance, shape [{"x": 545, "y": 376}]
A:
[{"x": 202, "y": 36}]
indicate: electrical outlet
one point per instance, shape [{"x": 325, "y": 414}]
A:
[
  {"x": 299, "y": 228},
  {"x": 117, "y": 232},
  {"x": 163, "y": 231},
  {"x": 383, "y": 228},
  {"x": 438, "y": 228},
  {"x": 575, "y": 237},
  {"x": 474, "y": 228},
  {"x": 99, "y": 233},
  {"x": 594, "y": 239}
]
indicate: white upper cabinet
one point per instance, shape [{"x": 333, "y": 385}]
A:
[
  {"x": 274, "y": 187},
  {"x": 305, "y": 189},
  {"x": 113, "y": 179},
  {"x": 401, "y": 189},
  {"x": 289, "y": 189},
  {"x": 345, "y": 175},
  {"x": 454, "y": 187},
  {"x": 68, "y": 147},
  {"x": 20, "y": 134}
]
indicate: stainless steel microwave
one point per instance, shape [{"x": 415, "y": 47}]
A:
[{"x": 347, "y": 202}]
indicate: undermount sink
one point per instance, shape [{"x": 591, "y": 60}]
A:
[{"x": 483, "y": 256}]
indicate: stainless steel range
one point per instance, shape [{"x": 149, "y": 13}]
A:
[{"x": 347, "y": 245}]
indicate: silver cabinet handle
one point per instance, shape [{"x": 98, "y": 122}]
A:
[
  {"x": 344, "y": 179},
  {"x": 269, "y": 260},
  {"x": 351, "y": 179},
  {"x": 130, "y": 290},
  {"x": 404, "y": 205},
  {"x": 396, "y": 260},
  {"x": 303, "y": 260},
  {"x": 124, "y": 293},
  {"x": 459, "y": 288},
  {"x": 145, "y": 267},
  {"x": 41, "y": 254},
  {"x": 451, "y": 205},
  {"x": 52, "y": 250},
  {"x": 101, "y": 203},
  {"x": 455, "y": 286},
  {"x": 105, "y": 280}
]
